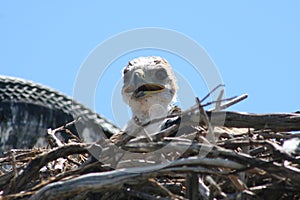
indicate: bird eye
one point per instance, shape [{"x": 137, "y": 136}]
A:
[{"x": 161, "y": 74}]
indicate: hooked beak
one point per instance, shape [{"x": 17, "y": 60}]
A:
[{"x": 147, "y": 89}]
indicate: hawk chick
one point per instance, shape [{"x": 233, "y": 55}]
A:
[{"x": 150, "y": 90}]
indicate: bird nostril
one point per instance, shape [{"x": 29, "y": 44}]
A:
[{"x": 129, "y": 89}]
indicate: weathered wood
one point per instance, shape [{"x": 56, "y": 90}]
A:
[
  {"x": 105, "y": 181},
  {"x": 32, "y": 169},
  {"x": 266, "y": 166},
  {"x": 275, "y": 122},
  {"x": 270, "y": 121},
  {"x": 219, "y": 163}
]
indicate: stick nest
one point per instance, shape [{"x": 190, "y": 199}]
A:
[{"x": 247, "y": 157}]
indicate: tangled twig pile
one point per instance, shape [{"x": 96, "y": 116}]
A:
[{"x": 243, "y": 156}]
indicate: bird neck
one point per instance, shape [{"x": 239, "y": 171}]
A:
[{"x": 147, "y": 114}]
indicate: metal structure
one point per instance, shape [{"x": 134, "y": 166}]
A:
[{"x": 28, "y": 109}]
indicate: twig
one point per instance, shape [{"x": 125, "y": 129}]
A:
[
  {"x": 192, "y": 185},
  {"x": 201, "y": 111},
  {"x": 217, "y": 87},
  {"x": 219, "y": 99},
  {"x": 231, "y": 102},
  {"x": 54, "y": 141},
  {"x": 31, "y": 170},
  {"x": 191, "y": 110},
  {"x": 15, "y": 171},
  {"x": 215, "y": 187}
]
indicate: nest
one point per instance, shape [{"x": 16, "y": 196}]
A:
[{"x": 197, "y": 156}]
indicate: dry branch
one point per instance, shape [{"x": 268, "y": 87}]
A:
[
  {"x": 275, "y": 122},
  {"x": 33, "y": 167},
  {"x": 200, "y": 155}
]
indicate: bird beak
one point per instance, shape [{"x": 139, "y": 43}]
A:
[{"x": 147, "y": 89}]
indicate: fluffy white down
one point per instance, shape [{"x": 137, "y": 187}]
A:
[{"x": 149, "y": 105}]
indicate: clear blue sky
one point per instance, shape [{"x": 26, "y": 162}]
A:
[{"x": 254, "y": 44}]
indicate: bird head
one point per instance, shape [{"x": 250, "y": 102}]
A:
[{"x": 148, "y": 81}]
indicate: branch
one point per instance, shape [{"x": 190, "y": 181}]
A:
[{"x": 275, "y": 122}]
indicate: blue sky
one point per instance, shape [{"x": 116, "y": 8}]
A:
[{"x": 254, "y": 44}]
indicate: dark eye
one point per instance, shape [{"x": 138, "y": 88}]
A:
[{"x": 161, "y": 74}]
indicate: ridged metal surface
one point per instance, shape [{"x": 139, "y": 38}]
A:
[{"x": 28, "y": 109}]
